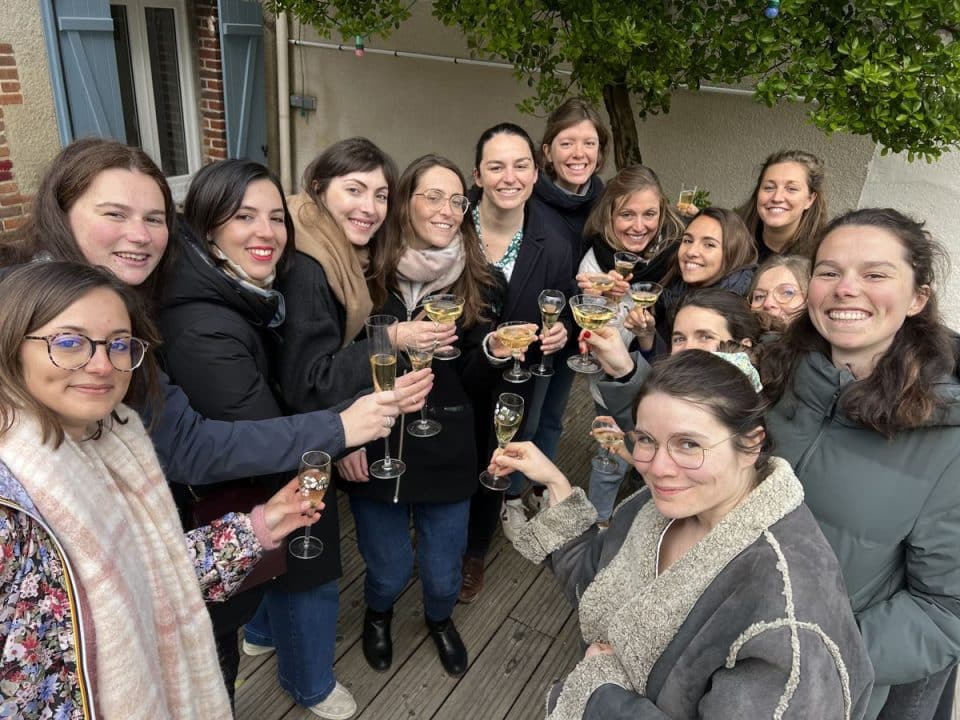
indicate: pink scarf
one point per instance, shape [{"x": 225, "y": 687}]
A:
[{"x": 426, "y": 272}]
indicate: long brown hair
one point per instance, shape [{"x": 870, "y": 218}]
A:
[
  {"x": 356, "y": 154},
  {"x": 900, "y": 393},
  {"x": 573, "y": 111},
  {"x": 67, "y": 178},
  {"x": 632, "y": 179},
  {"x": 475, "y": 282},
  {"x": 739, "y": 250},
  {"x": 35, "y": 294},
  {"x": 813, "y": 218}
]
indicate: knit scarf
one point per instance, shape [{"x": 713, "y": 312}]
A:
[
  {"x": 344, "y": 264},
  {"x": 108, "y": 504},
  {"x": 424, "y": 272}
]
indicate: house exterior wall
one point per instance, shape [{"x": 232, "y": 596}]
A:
[
  {"x": 28, "y": 128},
  {"x": 213, "y": 125}
]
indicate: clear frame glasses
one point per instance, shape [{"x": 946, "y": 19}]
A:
[
  {"x": 435, "y": 200},
  {"x": 684, "y": 451},
  {"x": 784, "y": 293},
  {"x": 72, "y": 351}
]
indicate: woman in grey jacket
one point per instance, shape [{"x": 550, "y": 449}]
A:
[{"x": 720, "y": 598}]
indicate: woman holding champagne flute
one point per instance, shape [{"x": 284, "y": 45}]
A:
[
  {"x": 519, "y": 242},
  {"x": 428, "y": 259},
  {"x": 100, "y": 609}
]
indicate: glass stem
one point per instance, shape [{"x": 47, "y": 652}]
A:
[
  {"x": 387, "y": 460},
  {"x": 423, "y": 414},
  {"x": 516, "y": 364}
]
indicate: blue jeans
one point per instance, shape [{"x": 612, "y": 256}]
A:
[
  {"x": 604, "y": 486},
  {"x": 545, "y": 418},
  {"x": 302, "y": 629},
  {"x": 383, "y": 536}
]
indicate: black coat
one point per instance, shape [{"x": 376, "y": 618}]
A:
[
  {"x": 572, "y": 210},
  {"x": 442, "y": 468},
  {"x": 219, "y": 348}
]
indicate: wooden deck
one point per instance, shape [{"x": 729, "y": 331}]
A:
[{"x": 520, "y": 632}]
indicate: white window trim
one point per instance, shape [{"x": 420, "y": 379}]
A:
[{"x": 143, "y": 81}]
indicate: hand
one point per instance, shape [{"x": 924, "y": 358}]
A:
[
  {"x": 411, "y": 390},
  {"x": 445, "y": 335},
  {"x": 553, "y": 339},
  {"x": 527, "y": 458},
  {"x": 286, "y": 511},
  {"x": 598, "y": 648},
  {"x": 586, "y": 287},
  {"x": 498, "y": 349},
  {"x": 608, "y": 348},
  {"x": 621, "y": 285},
  {"x": 642, "y": 323},
  {"x": 353, "y": 467},
  {"x": 688, "y": 209},
  {"x": 366, "y": 418}
]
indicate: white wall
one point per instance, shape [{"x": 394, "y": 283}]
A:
[{"x": 928, "y": 192}]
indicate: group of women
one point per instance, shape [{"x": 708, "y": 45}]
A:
[{"x": 791, "y": 550}]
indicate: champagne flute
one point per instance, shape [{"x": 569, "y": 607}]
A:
[
  {"x": 591, "y": 312},
  {"x": 506, "y": 419},
  {"x": 444, "y": 309},
  {"x": 383, "y": 365},
  {"x": 610, "y": 436},
  {"x": 645, "y": 294},
  {"x": 516, "y": 335},
  {"x": 551, "y": 305},
  {"x": 601, "y": 282},
  {"x": 420, "y": 349},
  {"x": 687, "y": 194},
  {"x": 624, "y": 262},
  {"x": 314, "y": 478}
]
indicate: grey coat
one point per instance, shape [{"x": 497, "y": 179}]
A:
[{"x": 752, "y": 622}]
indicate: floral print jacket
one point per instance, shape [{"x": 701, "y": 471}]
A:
[{"x": 41, "y": 654}]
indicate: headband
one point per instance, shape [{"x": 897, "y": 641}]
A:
[{"x": 741, "y": 361}]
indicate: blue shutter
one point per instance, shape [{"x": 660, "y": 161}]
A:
[
  {"x": 241, "y": 45},
  {"x": 89, "y": 62}
]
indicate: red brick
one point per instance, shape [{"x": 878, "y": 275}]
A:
[
  {"x": 6, "y": 49},
  {"x": 7, "y": 60},
  {"x": 10, "y": 87},
  {"x": 4, "y": 151},
  {"x": 9, "y": 200},
  {"x": 208, "y": 54},
  {"x": 7, "y": 188},
  {"x": 8, "y": 73},
  {"x": 13, "y": 223},
  {"x": 9, "y": 212},
  {"x": 11, "y": 99}
]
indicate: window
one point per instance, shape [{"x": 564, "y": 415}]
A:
[{"x": 156, "y": 84}]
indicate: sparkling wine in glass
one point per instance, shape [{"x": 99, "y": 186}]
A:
[
  {"x": 551, "y": 305},
  {"x": 685, "y": 200},
  {"x": 645, "y": 294},
  {"x": 610, "y": 436},
  {"x": 444, "y": 309},
  {"x": 314, "y": 479},
  {"x": 601, "y": 282},
  {"x": 591, "y": 312},
  {"x": 383, "y": 367},
  {"x": 420, "y": 349},
  {"x": 624, "y": 262},
  {"x": 507, "y": 416},
  {"x": 516, "y": 335}
]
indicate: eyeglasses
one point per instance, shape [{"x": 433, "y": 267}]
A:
[
  {"x": 72, "y": 351},
  {"x": 781, "y": 293},
  {"x": 435, "y": 200},
  {"x": 686, "y": 453}
]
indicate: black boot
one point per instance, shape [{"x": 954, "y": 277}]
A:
[
  {"x": 377, "y": 645},
  {"x": 453, "y": 654}
]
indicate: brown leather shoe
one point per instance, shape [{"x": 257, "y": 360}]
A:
[{"x": 472, "y": 579}]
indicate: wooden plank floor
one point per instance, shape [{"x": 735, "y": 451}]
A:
[{"x": 520, "y": 633}]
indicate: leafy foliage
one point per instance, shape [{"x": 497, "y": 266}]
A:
[{"x": 889, "y": 69}]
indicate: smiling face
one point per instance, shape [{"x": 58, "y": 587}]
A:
[
  {"x": 573, "y": 154},
  {"x": 358, "y": 203},
  {"x": 701, "y": 252},
  {"x": 637, "y": 221},
  {"x": 507, "y": 172},
  {"x": 784, "y": 195},
  {"x": 777, "y": 281},
  {"x": 79, "y": 397},
  {"x": 435, "y": 227},
  {"x": 120, "y": 224},
  {"x": 724, "y": 479},
  {"x": 254, "y": 238},
  {"x": 861, "y": 291},
  {"x": 697, "y": 328}
]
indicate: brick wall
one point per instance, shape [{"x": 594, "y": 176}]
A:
[
  {"x": 14, "y": 207},
  {"x": 213, "y": 126}
]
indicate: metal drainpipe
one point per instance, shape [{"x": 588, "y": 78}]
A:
[{"x": 283, "y": 104}]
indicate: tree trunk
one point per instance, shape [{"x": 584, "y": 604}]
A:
[{"x": 626, "y": 145}]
